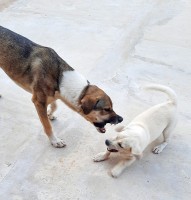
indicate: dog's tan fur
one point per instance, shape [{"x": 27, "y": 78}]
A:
[{"x": 40, "y": 71}]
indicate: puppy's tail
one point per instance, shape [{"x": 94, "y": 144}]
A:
[{"x": 165, "y": 89}]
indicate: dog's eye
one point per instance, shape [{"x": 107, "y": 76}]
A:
[
  {"x": 107, "y": 109},
  {"x": 120, "y": 145}
]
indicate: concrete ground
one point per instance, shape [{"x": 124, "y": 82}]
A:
[{"x": 121, "y": 46}]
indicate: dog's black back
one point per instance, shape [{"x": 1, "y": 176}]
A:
[
  {"x": 14, "y": 46},
  {"x": 21, "y": 58}
]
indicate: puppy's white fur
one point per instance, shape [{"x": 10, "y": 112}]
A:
[{"x": 132, "y": 140}]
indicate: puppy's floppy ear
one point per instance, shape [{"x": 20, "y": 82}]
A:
[
  {"x": 133, "y": 145},
  {"x": 135, "y": 148},
  {"x": 87, "y": 105}
]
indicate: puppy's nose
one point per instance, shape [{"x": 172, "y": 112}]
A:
[
  {"x": 107, "y": 142},
  {"x": 119, "y": 118}
]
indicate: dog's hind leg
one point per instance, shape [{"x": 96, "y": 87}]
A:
[
  {"x": 51, "y": 110},
  {"x": 166, "y": 133},
  {"x": 41, "y": 108}
]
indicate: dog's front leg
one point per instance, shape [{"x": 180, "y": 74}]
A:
[
  {"x": 101, "y": 156},
  {"x": 118, "y": 169},
  {"x": 42, "y": 113}
]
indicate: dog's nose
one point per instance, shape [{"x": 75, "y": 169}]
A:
[
  {"x": 107, "y": 142},
  {"x": 119, "y": 118}
]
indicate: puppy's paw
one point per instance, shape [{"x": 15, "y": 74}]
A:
[
  {"x": 100, "y": 157},
  {"x": 158, "y": 149},
  {"x": 58, "y": 143},
  {"x": 115, "y": 172}
]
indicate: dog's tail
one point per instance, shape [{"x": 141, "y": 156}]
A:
[{"x": 165, "y": 89}]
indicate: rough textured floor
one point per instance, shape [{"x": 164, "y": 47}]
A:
[{"x": 121, "y": 46}]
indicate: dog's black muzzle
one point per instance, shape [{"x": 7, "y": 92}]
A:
[{"x": 113, "y": 120}]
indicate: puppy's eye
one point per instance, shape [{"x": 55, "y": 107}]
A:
[
  {"x": 107, "y": 109},
  {"x": 120, "y": 145}
]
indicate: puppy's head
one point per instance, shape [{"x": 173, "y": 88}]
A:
[
  {"x": 124, "y": 144},
  {"x": 97, "y": 108}
]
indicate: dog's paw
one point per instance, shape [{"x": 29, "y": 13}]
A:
[
  {"x": 115, "y": 172},
  {"x": 100, "y": 157},
  {"x": 58, "y": 143},
  {"x": 158, "y": 149}
]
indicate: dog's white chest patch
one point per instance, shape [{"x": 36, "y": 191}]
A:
[{"x": 72, "y": 85}]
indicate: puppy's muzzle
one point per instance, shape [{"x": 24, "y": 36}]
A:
[{"x": 108, "y": 143}]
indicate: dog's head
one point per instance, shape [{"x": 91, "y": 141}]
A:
[
  {"x": 97, "y": 108},
  {"x": 124, "y": 144}
]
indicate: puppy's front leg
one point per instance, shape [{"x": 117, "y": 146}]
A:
[
  {"x": 118, "y": 169},
  {"x": 42, "y": 113},
  {"x": 101, "y": 156}
]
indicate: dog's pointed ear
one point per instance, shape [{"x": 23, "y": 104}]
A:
[{"x": 87, "y": 105}]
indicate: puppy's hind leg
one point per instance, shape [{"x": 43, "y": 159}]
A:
[
  {"x": 166, "y": 133},
  {"x": 51, "y": 110}
]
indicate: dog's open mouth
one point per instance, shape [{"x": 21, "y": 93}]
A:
[
  {"x": 101, "y": 129},
  {"x": 100, "y": 126},
  {"x": 112, "y": 150}
]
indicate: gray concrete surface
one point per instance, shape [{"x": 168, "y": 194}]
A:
[{"x": 121, "y": 46}]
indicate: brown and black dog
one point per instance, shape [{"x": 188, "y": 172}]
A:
[{"x": 40, "y": 71}]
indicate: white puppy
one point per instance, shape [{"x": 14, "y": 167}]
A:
[{"x": 132, "y": 140}]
